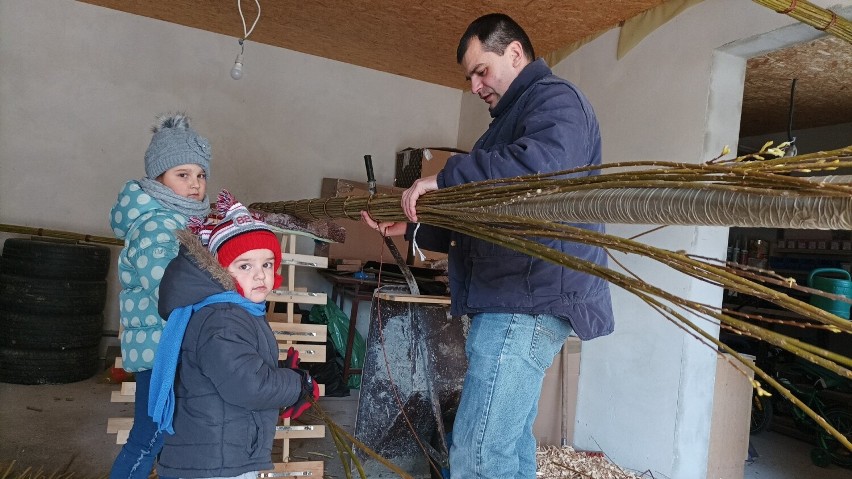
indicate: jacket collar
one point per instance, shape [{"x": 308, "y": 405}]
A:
[
  {"x": 205, "y": 260},
  {"x": 529, "y": 75}
]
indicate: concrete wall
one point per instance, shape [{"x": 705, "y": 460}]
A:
[
  {"x": 80, "y": 87},
  {"x": 646, "y": 391}
]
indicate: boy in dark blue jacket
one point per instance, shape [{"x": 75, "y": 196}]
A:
[{"x": 216, "y": 386}]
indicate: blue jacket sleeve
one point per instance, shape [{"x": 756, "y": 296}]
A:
[{"x": 550, "y": 134}]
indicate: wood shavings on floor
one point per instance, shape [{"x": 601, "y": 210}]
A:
[{"x": 566, "y": 463}]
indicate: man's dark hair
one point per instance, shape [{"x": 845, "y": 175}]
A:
[{"x": 495, "y": 31}]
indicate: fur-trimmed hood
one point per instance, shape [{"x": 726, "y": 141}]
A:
[
  {"x": 205, "y": 259},
  {"x": 192, "y": 276}
]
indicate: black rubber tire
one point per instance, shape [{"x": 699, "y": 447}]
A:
[
  {"x": 39, "y": 296},
  {"x": 26, "y": 331},
  {"x": 840, "y": 419},
  {"x": 55, "y": 260},
  {"x": 761, "y": 413},
  {"x": 31, "y": 366}
]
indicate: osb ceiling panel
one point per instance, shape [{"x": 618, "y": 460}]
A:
[
  {"x": 823, "y": 94},
  {"x": 418, "y": 40},
  {"x": 413, "y": 39}
]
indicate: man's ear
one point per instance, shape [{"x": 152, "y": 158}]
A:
[{"x": 517, "y": 53}]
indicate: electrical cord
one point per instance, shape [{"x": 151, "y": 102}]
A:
[
  {"x": 246, "y": 33},
  {"x": 237, "y": 70}
]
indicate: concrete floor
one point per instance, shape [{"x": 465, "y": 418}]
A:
[
  {"x": 63, "y": 428},
  {"x": 785, "y": 457}
]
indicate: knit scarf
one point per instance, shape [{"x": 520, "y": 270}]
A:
[
  {"x": 168, "y": 198},
  {"x": 161, "y": 397}
]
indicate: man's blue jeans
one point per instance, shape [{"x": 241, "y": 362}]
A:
[
  {"x": 507, "y": 356},
  {"x": 136, "y": 458}
]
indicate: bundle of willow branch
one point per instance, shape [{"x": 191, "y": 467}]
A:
[
  {"x": 759, "y": 190},
  {"x": 817, "y": 17},
  {"x": 68, "y": 235}
]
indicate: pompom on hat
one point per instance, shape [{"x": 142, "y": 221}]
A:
[
  {"x": 239, "y": 231},
  {"x": 175, "y": 143}
]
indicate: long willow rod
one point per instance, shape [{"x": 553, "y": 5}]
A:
[
  {"x": 719, "y": 276},
  {"x": 685, "y": 207},
  {"x": 647, "y": 292},
  {"x": 812, "y": 354},
  {"x": 718, "y": 194},
  {"x": 810, "y": 14},
  {"x": 341, "y": 434},
  {"x": 69, "y": 235},
  {"x": 508, "y": 212},
  {"x": 665, "y": 312}
]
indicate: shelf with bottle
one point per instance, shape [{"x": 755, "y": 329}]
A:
[{"x": 834, "y": 244}]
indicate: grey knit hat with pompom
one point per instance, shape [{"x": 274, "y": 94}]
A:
[{"x": 174, "y": 144}]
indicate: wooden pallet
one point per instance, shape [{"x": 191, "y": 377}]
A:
[
  {"x": 120, "y": 426},
  {"x": 309, "y": 340}
]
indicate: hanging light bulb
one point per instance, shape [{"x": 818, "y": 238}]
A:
[{"x": 237, "y": 70}]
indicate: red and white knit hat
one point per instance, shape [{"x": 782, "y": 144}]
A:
[{"x": 237, "y": 232}]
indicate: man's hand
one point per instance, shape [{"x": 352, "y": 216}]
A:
[
  {"x": 388, "y": 228},
  {"x": 409, "y": 196},
  {"x": 409, "y": 200}
]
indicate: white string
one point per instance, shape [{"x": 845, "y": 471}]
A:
[
  {"x": 246, "y": 33},
  {"x": 414, "y": 247}
]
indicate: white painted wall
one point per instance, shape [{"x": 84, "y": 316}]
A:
[
  {"x": 473, "y": 121},
  {"x": 646, "y": 391},
  {"x": 80, "y": 87}
]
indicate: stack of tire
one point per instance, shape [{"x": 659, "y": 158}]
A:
[{"x": 52, "y": 297}]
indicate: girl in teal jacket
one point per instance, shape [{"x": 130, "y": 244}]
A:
[{"x": 146, "y": 216}]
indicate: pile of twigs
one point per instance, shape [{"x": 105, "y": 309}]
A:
[
  {"x": 566, "y": 463},
  {"x": 755, "y": 190},
  {"x": 810, "y": 14}
]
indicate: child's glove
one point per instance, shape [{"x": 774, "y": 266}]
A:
[
  {"x": 292, "y": 359},
  {"x": 310, "y": 389}
]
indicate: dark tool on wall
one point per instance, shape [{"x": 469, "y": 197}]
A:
[
  {"x": 403, "y": 267},
  {"x": 791, "y": 150}
]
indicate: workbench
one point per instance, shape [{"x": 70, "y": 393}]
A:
[{"x": 344, "y": 285}]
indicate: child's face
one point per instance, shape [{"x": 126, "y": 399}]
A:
[
  {"x": 187, "y": 180},
  {"x": 254, "y": 271}
]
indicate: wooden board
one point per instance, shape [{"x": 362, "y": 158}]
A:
[
  {"x": 284, "y": 331},
  {"x": 294, "y": 469},
  {"x": 115, "y": 424},
  {"x": 299, "y": 297},
  {"x": 304, "y": 260},
  {"x": 308, "y": 353},
  {"x": 300, "y": 432},
  {"x": 412, "y": 298},
  {"x": 116, "y": 396}
]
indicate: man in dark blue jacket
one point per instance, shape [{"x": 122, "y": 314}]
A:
[{"x": 522, "y": 309}]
